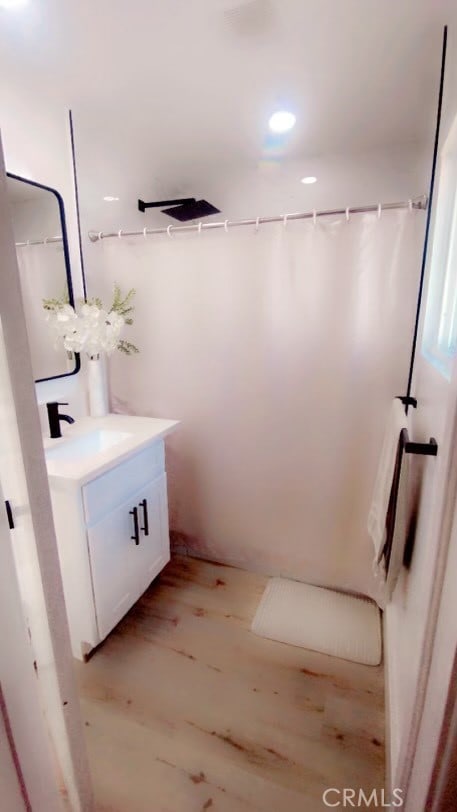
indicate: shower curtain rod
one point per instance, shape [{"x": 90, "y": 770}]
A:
[
  {"x": 417, "y": 203},
  {"x": 45, "y": 241}
]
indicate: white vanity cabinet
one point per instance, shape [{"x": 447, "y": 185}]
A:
[
  {"x": 113, "y": 538},
  {"x": 127, "y": 550}
]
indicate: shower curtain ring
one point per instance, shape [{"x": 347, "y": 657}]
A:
[
  {"x": 410, "y": 204},
  {"x": 347, "y": 214},
  {"x": 314, "y": 217},
  {"x": 100, "y": 235},
  {"x": 284, "y": 220},
  {"x": 200, "y": 227},
  {"x": 226, "y": 227},
  {"x": 169, "y": 231},
  {"x": 379, "y": 211},
  {"x": 119, "y": 233},
  {"x": 257, "y": 223}
]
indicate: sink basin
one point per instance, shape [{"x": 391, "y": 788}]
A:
[
  {"x": 96, "y": 444},
  {"x": 86, "y": 445}
]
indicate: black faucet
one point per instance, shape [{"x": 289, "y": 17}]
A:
[{"x": 54, "y": 418}]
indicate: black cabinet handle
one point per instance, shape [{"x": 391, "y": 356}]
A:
[
  {"x": 136, "y": 536},
  {"x": 9, "y": 514},
  {"x": 144, "y": 505}
]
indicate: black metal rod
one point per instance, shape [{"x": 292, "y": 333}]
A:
[
  {"x": 78, "y": 218},
  {"x": 429, "y": 213},
  {"x": 419, "y": 204}
]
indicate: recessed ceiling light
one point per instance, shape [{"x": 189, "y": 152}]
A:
[
  {"x": 309, "y": 179},
  {"x": 10, "y": 4},
  {"x": 281, "y": 121},
  {"x": 110, "y": 199}
]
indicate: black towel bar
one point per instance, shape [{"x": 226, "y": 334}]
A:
[{"x": 429, "y": 449}]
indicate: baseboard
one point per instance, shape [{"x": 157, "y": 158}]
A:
[
  {"x": 391, "y": 703},
  {"x": 182, "y": 544},
  {"x": 180, "y": 547}
]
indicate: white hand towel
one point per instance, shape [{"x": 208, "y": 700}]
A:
[{"x": 397, "y": 420}]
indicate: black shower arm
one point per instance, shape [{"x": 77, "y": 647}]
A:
[{"x": 142, "y": 206}]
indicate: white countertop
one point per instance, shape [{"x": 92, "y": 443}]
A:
[{"x": 141, "y": 430}]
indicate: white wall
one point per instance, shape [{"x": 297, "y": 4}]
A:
[
  {"x": 408, "y": 614},
  {"x": 11, "y": 791},
  {"x": 36, "y": 141},
  {"x": 440, "y": 675},
  {"x": 33, "y": 543},
  {"x": 37, "y": 146}
]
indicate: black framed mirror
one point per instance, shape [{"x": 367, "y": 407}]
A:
[{"x": 38, "y": 217}]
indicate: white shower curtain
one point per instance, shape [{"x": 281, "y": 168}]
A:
[{"x": 279, "y": 351}]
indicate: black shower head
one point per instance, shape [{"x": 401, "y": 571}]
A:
[
  {"x": 157, "y": 204},
  {"x": 192, "y": 210}
]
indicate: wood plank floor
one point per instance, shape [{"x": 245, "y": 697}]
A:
[{"x": 186, "y": 710}]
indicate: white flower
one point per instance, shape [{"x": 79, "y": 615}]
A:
[{"x": 92, "y": 330}]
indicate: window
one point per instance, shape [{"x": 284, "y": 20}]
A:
[{"x": 439, "y": 344}]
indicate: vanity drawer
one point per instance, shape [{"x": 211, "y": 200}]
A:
[{"x": 104, "y": 494}]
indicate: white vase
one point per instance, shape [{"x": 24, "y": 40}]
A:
[
  {"x": 97, "y": 382},
  {"x": 70, "y": 360}
]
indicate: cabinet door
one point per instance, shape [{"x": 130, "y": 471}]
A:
[
  {"x": 113, "y": 574},
  {"x": 153, "y": 551}
]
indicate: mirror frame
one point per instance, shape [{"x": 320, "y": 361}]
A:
[{"x": 66, "y": 253}]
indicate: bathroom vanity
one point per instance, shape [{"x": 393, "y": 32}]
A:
[{"x": 109, "y": 495}]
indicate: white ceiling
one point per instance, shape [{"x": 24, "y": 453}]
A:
[
  {"x": 357, "y": 73},
  {"x": 185, "y": 85}
]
